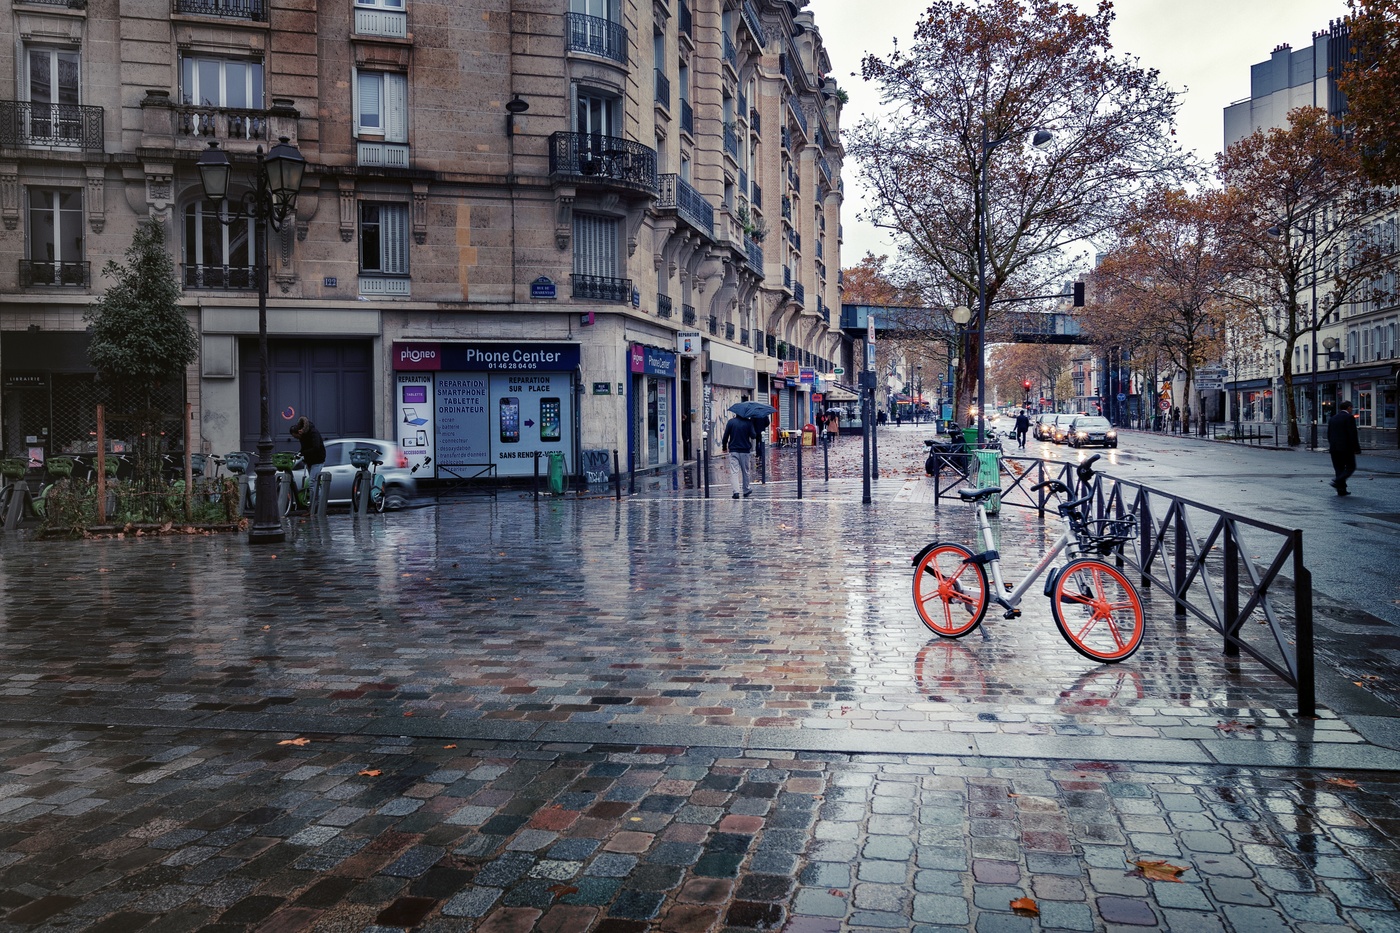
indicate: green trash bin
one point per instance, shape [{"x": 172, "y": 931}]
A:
[
  {"x": 556, "y": 472},
  {"x": 989, "y": 474},
  {"x": 970, "y": 438}
]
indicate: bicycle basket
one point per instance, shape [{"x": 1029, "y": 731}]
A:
[
  {"x": 1109, "y": 533},
  {"x": 59, "y": 466},
  {"x": 284, "y": 460},
  {"x": 13, "y": 467},
  {"x": 361, "y": 457}
]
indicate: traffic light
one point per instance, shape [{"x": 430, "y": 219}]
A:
[
  {"x": 1079, "y": 294},
  {"x": 1026, "y": 384}
]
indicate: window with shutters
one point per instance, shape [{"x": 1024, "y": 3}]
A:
[
  {"x": 596, "y": 263},
  {"x": 384, "y": 238},
  {"x": 381, "y": 118}
]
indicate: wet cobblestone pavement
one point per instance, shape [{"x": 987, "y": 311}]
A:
[{"x": 667, "y": 713}]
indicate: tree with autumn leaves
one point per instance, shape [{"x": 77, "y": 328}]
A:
[
  {"x": 979, "y": 80},
  {"x": 1371, "y": 83},
  {"x": 1298, "y": 224}
]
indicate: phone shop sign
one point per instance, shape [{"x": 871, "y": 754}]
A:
[
  {"x": 651, "y": 361},
  {"x": 489, "y": 357}
]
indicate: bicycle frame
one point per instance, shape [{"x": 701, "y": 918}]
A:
[{"x": 1066, "y": 542}]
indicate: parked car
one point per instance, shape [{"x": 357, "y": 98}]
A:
[
  {"x": 1042, "y": 424},
  {"x": 1059, "y": 428},
  {"x": 1087, "y": 430},
  {"x": 399, "y": 485}
]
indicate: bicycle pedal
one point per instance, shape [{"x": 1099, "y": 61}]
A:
[
  {"x": 1008, "y": 587},
  {"x": 1012, "y": 614}
]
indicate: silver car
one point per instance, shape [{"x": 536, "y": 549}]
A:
[{"x": 399, "y": 484}]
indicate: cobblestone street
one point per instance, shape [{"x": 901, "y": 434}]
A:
[{"x": 661, "y": 713}]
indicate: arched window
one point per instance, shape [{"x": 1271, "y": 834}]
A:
[{"x": 215, "y": 255}]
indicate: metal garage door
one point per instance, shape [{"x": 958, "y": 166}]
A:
[{"x": 329, "y": 381}]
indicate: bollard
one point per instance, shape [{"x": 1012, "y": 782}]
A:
[
  {"x": 706, "y": 454},
  {"x": 285, "y": 492},
  {"x": 617, "y": 476},
  {"x": 826, "y": 457},
  {"x": 365, "y": 484},
  {"x": 321, "y": 495},
  {"x": 800, "y": 445},
  {"x": 536, "y": 485}
]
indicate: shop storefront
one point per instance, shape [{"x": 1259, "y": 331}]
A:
[
  {"x": 1252, "y": 400},
  {"x": 486, "y": 409},
  {"x": 651, "y": 405}
]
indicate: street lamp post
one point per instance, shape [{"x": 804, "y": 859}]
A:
[
  {"x": 1315, "y": 410},
  {"x": 983, "y": 220},
  {"x": 277, "y": 180},
  {"x": 962, "y": 316},
  {"x": 918, "y": 390}
]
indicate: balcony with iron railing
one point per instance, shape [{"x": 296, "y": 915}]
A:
[
  {"x": 197, "y": 276},
  {"x": 34, "y": 272},
  {"x": 787, "y": 208},
  {"x": 743, "y": 337},
  {"x": 731, "y": 54},
  {"x": 757, "y": 196},
  {"x": 819, "y": 249},
  {"x": 714, "y": 326},
  {"x": 798, "y": 116},
  {"x": 684, "y": 22},
  {"x": 595, "y": 35},
  {"x": 799, "y": 293},
  {"x": 255, "y": 10},
  {"x": 70, "y": 4},
  {"x": 663, "y": 306},
  {"x": 825, "y": 167},
  {"x": 608, "y": 161},
  {"x": 24, "y": 124},
  {"x": 787, "y": 277},
  {"x": 602, "y": 288},
  {"x": 758, "y": 341},
  {"x": 688, "y": 316},
  {"x": 663, "y": 89},
  {"x": 731, "y": 141},
  {"x": 743, "y": 183},
  {"x": 770, "y": 344},
  {"x": 728, "y": 330},
  {"x": 755, "y": 123},
  {"x": 687, "y": 117},
  {"x": 750, "y": 15},
  {"x": 785, "y": 138},
  {"x": 785, "y": 60},
  {"x": 754, "y": 254},
  {"x": 675, "y": 194}
]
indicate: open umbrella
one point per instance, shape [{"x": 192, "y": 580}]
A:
[{"x": 752, "y": 409}]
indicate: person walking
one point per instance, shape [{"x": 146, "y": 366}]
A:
[
  {"x": 737, "y": 442},
  {"x": 313, "y": 449},
  {"x": 1343, "y": 444},
  {"x": 1023, "y": 424}
]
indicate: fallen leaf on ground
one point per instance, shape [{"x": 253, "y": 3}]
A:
[
  {"x": 449, "y": 746},
  {"x": 834, "y": 892},
  {"x": 561, "y": 890},
  {"x": 1234, "y": 726},
  {"x": 1342, "y": 782},
  {"x": 1160, "y": 870},
  {"x": 1025, "y": 906},
  {"x": 295, "y": 742},
  {"x": 371, "y": 772}
]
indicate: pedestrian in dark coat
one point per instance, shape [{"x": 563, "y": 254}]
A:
[
  {"x": 1343, "y": 444},
  {"x": 1023, "y": 424},
  {"x": 738, "y": 442}
]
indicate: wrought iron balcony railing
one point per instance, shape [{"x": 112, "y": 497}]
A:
[
  {"x": 59, "y": 126},
  {"x": 61, "y": 274},
  {"x": 731, "y": 140},
  {"x": 728, "y": 330},
  {"x": 607, "y": 160},
  {"x": 755, "y": 25},
  {"x": 688, "y": 314},
  {"x": 595, "y": 35},
  {"x": 663, "y": 305},
  {"x": 754, "y": 254},
  {"x": 759, "y": 345},
  {"x": 255, "y": 10},
  {"x": 687, "y": 117},
  {"x": 684, "y": 22},
  {"x": 675, "y": 194},
  {"x": 602, "y": 288},
  {"x": 799, "y": 294},
  {"x": 714, "y": 326},
  {"x": 743, "y": 337},
  {"x": 731, "y": 54},
  {"x": 663, "y": 89},
  {"x": 225, "y": 277},
  {"x": 757, "y": 196}
]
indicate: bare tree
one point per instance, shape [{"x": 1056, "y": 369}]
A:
[{"x": 952, "y": 155}]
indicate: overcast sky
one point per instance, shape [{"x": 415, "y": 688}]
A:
[{"x": 1203, "y": 48}]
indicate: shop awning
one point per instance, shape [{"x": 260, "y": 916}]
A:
[{"x": 840, "y": 394}]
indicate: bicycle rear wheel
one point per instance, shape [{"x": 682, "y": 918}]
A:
[
  {"x": 377, "y": 499},
  {"x": 1097, "y": 610},
  {"x": 950, "y": 592}
]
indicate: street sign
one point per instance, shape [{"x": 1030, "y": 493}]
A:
[
  {"x": 1166, "y": 405},
  {"x": 840, "y": 371},
  {"x": 1122, "y": 397}
]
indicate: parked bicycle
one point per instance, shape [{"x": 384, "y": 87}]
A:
[
  {"x": 1094, "y": 605},
  {"x": 12, "y": 470},
  {"x": 366, "y": 462},
  {"x": 291, "y": 495}
]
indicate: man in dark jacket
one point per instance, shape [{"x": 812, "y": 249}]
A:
[
  {"x": 1344, "y": 445},
  {"x": 1023, "y": 424},
  {"x": 313, "y": 448},
  {"x": 737, "y": 441}
]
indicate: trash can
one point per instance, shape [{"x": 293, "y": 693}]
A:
[
  {"x": 989, "y": 474},
  {"x": 970, "y": 438},
  {"x": 556, "y": 472}
]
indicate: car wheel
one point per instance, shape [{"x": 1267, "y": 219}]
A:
[{"x": 394, "y": 499}]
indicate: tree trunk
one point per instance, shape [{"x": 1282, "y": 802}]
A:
[{"x": 1290, "y": 406}]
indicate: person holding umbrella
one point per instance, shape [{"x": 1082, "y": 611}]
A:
[{"x": 738, "y": 442}]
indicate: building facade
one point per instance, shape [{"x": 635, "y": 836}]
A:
[
  {"x": 526, "y": 227},
  {"x": 1353, "y": 356}
]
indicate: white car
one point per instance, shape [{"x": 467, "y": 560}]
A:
[{"x": 399, "y": 484}]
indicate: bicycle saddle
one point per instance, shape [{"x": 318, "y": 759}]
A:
[{"x": 977, "y": 495}]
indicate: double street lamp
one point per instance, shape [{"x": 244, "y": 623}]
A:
[{"x": 276, "y": 183}]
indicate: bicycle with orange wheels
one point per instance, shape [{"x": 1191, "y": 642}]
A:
[{"x": 1096, "y": 608}]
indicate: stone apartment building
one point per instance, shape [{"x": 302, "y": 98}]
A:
[{"x": 525, "y": 225}]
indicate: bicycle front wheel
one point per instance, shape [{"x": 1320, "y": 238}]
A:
[
  {"x": 1097, "y": 610},
  {"x": 377, "y": 499},
  {"x": 950, "y": 592}
]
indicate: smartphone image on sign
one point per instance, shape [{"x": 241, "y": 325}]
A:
[
  {"x": 549, "y": 419},
  {"x": 510, "y": 420},
  {"x": 422, "y": 439}
]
